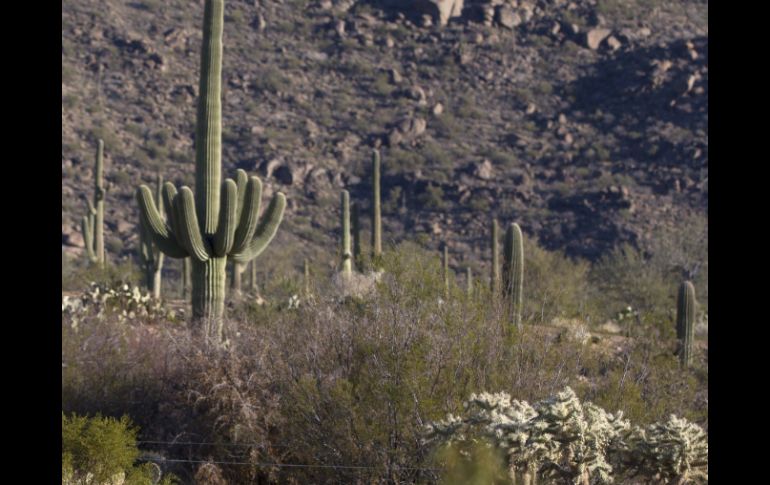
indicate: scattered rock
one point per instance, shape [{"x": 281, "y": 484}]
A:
[
  {"x": 483, "y": 170},
  {"x": 594, "y": 37},
  {"x": 613, "y": 43},
  {"x": 438, "y": 109},
  {"x": 507, "y": 17}
]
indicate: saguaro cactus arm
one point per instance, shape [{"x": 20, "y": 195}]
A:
[
  {"x": 161, "y": 233},
  {"x": 249, "y": 218},
  {"x": 225, "y": 235},
  {"x": 189, "y": 231},
  {"x": 266, "y": 230}
]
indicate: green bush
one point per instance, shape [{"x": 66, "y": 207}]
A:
[{"x": 103, "y": 449}]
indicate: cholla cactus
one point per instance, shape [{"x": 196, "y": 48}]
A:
[
  {"x": 572, "y": 442},
  {"x": 672, "y": 452}
]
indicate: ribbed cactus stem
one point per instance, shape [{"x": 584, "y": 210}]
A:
[
  {"x": 513, "y": 271},
  {"x": 151, "y": 257},
  {"x": 357, "y": 254},
  {"x": 93, "y": 222},
  {"x": 208, "y": 129},
  {"x": 685, "y": 322},
  {"x": 221, "y": 220},
  {"x": 347, "y": 256},
  {"x": 376, "y": 211},
  {"x": 495, "y": 273}
]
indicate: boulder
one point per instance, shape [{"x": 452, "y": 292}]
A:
[{"x": 594, "y": 37}]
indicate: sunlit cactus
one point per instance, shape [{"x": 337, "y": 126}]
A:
[
  {"x": 221, "y": 220},
  {"x": 93, "y": 223},
  {"x": 685, "y": 321},
  {"x": 345, "y": 253},
  {"x": 376, "y": 212},
  {"x": 150, "y": 256},
  {"x": 513, "y": 271}
]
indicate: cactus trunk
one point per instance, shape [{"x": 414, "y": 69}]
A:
[
  {"x": 513, "y": 271},
  {"x": 347, "y": 263},
  {"x": 208, "y": 295},
  {"x": 253, "y": 279},
  {"x": 376, "y": 214},
  {"x": 685, "y": 322},
  {"x": 495, "y": 273},
  {"x": 306, "y": 271}
]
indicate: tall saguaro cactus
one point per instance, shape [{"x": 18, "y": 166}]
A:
[
  {"x": 357, "y": 253},
  {"x": 469, "y": 282},
  {"x": 494, "y": 276},
  {"x": 376, "y": 211},
  {"x": 93, "y": 222},
  {"x": 221, "y": 220},
  {"x": 513, "y": 271},
  {"x": 685, "y": 322},
  {"x": 347, "y": 256},
  {"x": 151, "y": 256}
]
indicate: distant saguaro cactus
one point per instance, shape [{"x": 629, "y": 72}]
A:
[
  {"x": 152, "y": 257},
  {"x": 685, "y": 321},
  {"x": 186, "y": 270},
  {"x": 357, "y": 253},
  {"x": 513, "y": 271},
  {"x": 347, "y": 256},
  {"x": 494, "y": 284},
  {"x": 376, "y": 211},
  {"x": 221, "y": 220},
  {"x": 469, "y": 282},
  {"x": 93, "y": 223},
  {"x": 445, "y": 266}
]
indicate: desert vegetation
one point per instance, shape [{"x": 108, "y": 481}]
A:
[{"x": 381, "y": 367}]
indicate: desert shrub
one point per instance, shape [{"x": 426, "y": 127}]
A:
[
  {"x": 103, "y": 450},
  {"x": 555, "y": 286},
  {"x": 351, "y": 381},
  {"x": 78, "y": 274}
]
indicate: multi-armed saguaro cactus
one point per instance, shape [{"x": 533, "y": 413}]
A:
[
  {"x": 152, "y": 257},
  {"x": 93, "y": 223},
  {"x": 494, "y": 283},
  {"x": 685, "y": 321},
  {"x": 513, "y": 271},
  {"x": 376, "y": 214},
  {"x": 347, "y": 256},
  {"x": 221, "y": 220}
]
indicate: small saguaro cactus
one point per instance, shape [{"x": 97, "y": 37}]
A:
[
  {"x": 235, "y": 283},
  {"x": 306, "y": 273},
  {"x": 357, "y": 253},
  {"x": 513, "y": 271},
  {"x": 376, "y": 211},
  {"x": 93, "y": 222},
  {"x": 685, "y": 321},
  {"x": 221, "y": 220},
  {"x": 151, "y": 256},
  {"x": 494, "y": 284},
  {"x": 445, "y": 266},
  {"x": 469, "y": 282},
  {"x": 253, "y": 277},
  {"x": 185, "y": 278},
  {"x": 347, "y": 256}
]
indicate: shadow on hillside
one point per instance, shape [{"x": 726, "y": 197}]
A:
[{"x": 644, "y": 102}]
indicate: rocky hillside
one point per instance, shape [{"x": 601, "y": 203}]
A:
[{"x": 586, "y": 121}]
